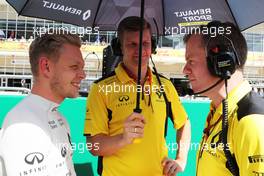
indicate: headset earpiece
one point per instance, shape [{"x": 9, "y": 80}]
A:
[
  {"x": 222, "y": 59},
  {"x": 116, "y": 47}
]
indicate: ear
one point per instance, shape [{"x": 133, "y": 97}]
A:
[{"x": 44, "y": 66}]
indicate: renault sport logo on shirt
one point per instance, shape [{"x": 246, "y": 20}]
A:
[
  {"x": 67, "y": 9},
  {"x": 34, "y": 158},
  {"x": 159, "y": 93}
]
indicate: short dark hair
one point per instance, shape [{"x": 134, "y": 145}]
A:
[
  {"x": 50, "y": 45},
  {"x": 229, "y": 30},
  {"x": 131, "y": 24}
]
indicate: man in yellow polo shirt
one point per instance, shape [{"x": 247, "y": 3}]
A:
[
  {"x": 133, "y": 144},
  {"x": 211, "y": 59}
]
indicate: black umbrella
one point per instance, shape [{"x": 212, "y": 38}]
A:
[
  {"x": 168, "y": 17},
  {"x": 168, "y": 14}
]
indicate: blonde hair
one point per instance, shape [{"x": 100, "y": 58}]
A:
[{"x": 50, "y": 45}]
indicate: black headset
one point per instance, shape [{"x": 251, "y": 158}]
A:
[
  {"x": 116, "y": 46},
  {"x": 222, "y": 59}
]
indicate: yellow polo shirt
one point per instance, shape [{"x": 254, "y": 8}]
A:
[
  {"x": 111, "y": 100},
  {"x": 245, "y": 139}
]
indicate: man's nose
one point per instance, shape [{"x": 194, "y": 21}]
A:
[
  {"x": 82, "y": 74},
  {"x": 186, "y": 69}
]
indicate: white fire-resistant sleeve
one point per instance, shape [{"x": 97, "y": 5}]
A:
[{"x": 24, "y": 148}]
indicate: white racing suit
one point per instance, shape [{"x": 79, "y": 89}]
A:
[{"x": 35, "y": 140}]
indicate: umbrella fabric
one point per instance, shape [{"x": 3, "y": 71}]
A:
[{"x": 168, "y": 15}]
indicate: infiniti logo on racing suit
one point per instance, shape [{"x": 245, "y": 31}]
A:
[
  {"x": 123, "y": 98},
  {"x": 34, "y": 158}
]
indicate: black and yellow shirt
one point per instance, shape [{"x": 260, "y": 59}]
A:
[
  {"x": 111, "y": 100},
  {"x": 245, "y": 140}
]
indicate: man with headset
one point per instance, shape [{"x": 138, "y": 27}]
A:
[
  {"x": 130, "y": 143},
  {"x": 232, "y": 142}
]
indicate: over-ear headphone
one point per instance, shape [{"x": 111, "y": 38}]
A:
[
  {"x": 222, "y": 59},
  {"x": 116, "y": 46}
]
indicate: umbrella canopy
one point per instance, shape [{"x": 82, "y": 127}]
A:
[
  {"x": 168, "y": 17},
  {"x": 164, "y": 15}
]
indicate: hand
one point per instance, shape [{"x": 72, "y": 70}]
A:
[
  {"x": 133, "y": 127},
  {"x": 172, "y": 167}
]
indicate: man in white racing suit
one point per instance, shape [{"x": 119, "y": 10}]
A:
[{"x": 35, "y": 138}]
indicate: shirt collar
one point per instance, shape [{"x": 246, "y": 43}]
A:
[
  {"x": 234, "y": 96},
  {"x": 124, "y": 78},
  {"x": 44, "y": 103}
]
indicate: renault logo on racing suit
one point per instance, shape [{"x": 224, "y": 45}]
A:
[{"x": 34, "y": 158}]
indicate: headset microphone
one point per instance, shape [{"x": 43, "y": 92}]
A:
[{"x": 191, "y": 92}]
